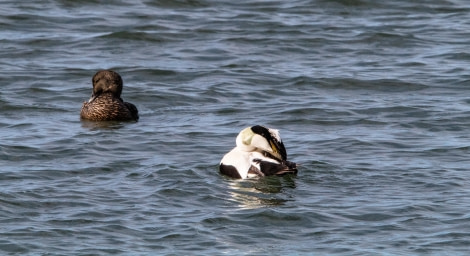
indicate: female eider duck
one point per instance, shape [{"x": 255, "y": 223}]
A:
[
  {"x": 259, "y": 152},
  {"x": 105, "y": 103}
]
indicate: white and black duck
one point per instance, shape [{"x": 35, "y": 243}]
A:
[{"x": 259, "y": 152}]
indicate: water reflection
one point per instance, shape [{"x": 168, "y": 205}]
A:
[
  {"x": 92, "y": 125},
  {"x": 262, "y": 192}
]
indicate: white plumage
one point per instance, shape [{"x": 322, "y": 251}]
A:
[{"x": 259, "y": 152}]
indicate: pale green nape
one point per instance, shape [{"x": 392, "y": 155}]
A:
[{"x": 247, "y": 135}]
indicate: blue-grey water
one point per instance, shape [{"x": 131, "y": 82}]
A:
[{"x": 371, "y": 98}]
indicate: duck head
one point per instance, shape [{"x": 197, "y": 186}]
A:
[{"x": 106, "y": 81}]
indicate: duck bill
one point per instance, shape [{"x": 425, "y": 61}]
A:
[
  {"x": 278, "y": 150},
  {"x": 92, "y": 98}
]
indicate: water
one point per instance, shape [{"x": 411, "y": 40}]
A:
[{"x": 371, "y": 99}]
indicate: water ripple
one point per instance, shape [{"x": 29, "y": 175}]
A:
[{"x": 370, "y": 98}]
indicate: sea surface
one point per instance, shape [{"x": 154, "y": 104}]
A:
[{"x": 372, "y": 99}]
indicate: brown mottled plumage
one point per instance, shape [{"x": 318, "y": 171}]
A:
[{"x": 105, "y": 103}]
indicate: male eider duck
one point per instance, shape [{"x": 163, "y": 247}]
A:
[
  {"x": 259, "y": 152},
  {"x": 105, "y": 103}
]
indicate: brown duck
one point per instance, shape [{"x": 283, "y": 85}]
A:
[{"x": 105, "y": 103}]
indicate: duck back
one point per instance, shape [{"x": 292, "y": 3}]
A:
[{"x": 106, "y": 107}]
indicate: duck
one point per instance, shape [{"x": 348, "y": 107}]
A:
[
  {"x": 259, "y": 152},
  {"x": 106, "y": 103}
]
